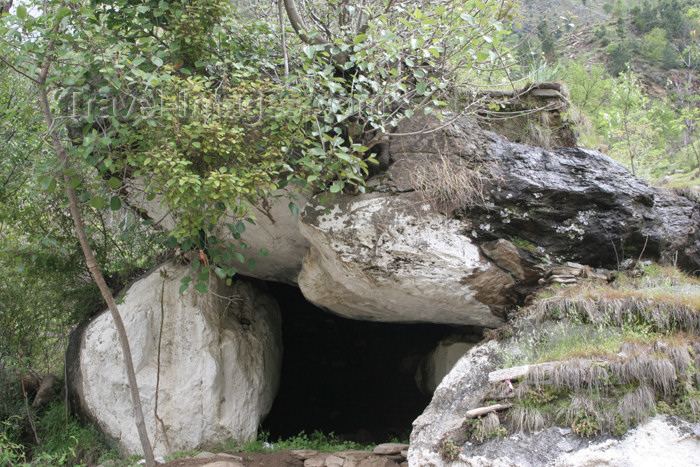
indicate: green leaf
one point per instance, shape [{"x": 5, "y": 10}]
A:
[
  {"x": 115, "y": 204},
  {"x": 359, "y": 38},
  {"x": 183, "y": 287},
  {"x": 48, "y": 183},
  {"x": 201, "y": 287},
  {"x": 239, "y": 256},
  {"x": 337, "y": 187},
  {"x": 240, "y": 227},
  {"x": 203, "y": 276},
  {"x": 157, "y": 61},
  {"x": 293, "y": 208},
  {"x": 21, "y": 11},
  {"x": 252, "y": 262},
  {"x": 97, "y": 202},
  {"x": 220, "y": 272},
  {"x": 114, "y": 183}
]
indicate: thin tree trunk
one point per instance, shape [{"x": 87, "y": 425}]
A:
[
  {"x": 284, "y": 37},
  {"x": 94, "y": 267}
]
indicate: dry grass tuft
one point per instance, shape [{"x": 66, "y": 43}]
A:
[
  {"x": 680, "y": 357},
  {"x": 490, "y": 423},
  {"x": 448, "y": 182},
  {"x": 662, "y": 374},
  {"x": 637, "y": 405},
  {"x": 571, "y": 375},
  {"x": 598, "y": 378},
  {"x": 528, "y": 419},
  {"x": 536, "y": 375}
]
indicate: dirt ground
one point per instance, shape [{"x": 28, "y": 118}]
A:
[{"x": 267, "y": 459}]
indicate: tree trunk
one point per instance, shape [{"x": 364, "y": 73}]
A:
[{"x": 94, "y": 267}]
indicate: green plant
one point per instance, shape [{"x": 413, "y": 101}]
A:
[
  {"x": 11, "y": 452},
  {"x": 449, "y": 451},
  {"x": 317, "y": 441},
  {"x": 65, "y": 441},
  {"x": 584, "y": 425}
]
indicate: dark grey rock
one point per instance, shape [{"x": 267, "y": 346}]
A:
[{"x": 572, "y": 203}]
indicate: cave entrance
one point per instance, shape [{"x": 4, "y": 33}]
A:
[{"x": 352, "y": 378}]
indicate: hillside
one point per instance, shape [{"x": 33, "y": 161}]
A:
[{"x": 632, "y": 70}]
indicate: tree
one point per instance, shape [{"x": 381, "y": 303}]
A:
[
  {"x": 211, "y": 111},
  {"x": 546, "y": 37}
]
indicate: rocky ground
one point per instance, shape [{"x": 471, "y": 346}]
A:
[{"x": 383, "y": 455}]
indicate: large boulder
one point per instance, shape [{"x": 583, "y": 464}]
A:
[
  {"x": 465, "y": 223},
  {"x": 572, "y": 203},
  {"x": 380, "y": 257},
  {"x": 438, "y": 438},
  {"x": 461, "y": 390},
  {"x": 214, "y": 358},
  {"x": 275, "y": 229}
]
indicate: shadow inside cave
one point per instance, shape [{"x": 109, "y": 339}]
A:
[{"x": 355, "y": 379}]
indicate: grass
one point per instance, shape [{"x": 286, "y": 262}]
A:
[
  {"x": 448, "y": 182},
  {"x": 64, "y": 441},
  {"x": 317, "y": 441},
  {"x": 622, "y": 352}
]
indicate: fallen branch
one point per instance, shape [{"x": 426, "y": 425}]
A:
[{"x": 473, "y": 413}]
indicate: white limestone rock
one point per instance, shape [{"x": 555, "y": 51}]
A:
[
  {"x": 381, "y": 257},
  {"x": 436, "y": 365},
  {"x": 220, "y": 363},
  {"x": 276, "y": 230},
  {"x": 647, "y": 445}
]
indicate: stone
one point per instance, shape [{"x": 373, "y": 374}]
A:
[
  {"x": 575, "y": 204},
  {"x": 205, "y": 455},
  {"x": 389, "y": 448},
  {"x": 302, "y": 454},
  {"x": 228, "y": 456},
  {"x": 318, "y": 460},
  {"x": 275, "y": 229},
  {"x": 218, "y": 378},
  {"x": 460, "y": 391},
  {"x": 439, "y": 362},
  {"x": 334, "y": 461},
  {"x": 46, "y": 391},
  {"x": 226, "y": 463},
  {"x": 379, "y": 257}
]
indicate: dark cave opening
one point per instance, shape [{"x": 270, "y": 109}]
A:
[{"x": 351, "y": 378}]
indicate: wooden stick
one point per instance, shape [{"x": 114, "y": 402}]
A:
[{"x": 473, "y": 413}]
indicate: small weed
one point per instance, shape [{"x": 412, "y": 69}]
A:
[
  {"x": 449, "y": 451},
  {"x": 540, "y": 396},
  {"x": 584, "y": 425}
]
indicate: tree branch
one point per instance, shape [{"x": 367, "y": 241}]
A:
[{"x": 299, "y": 25}]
